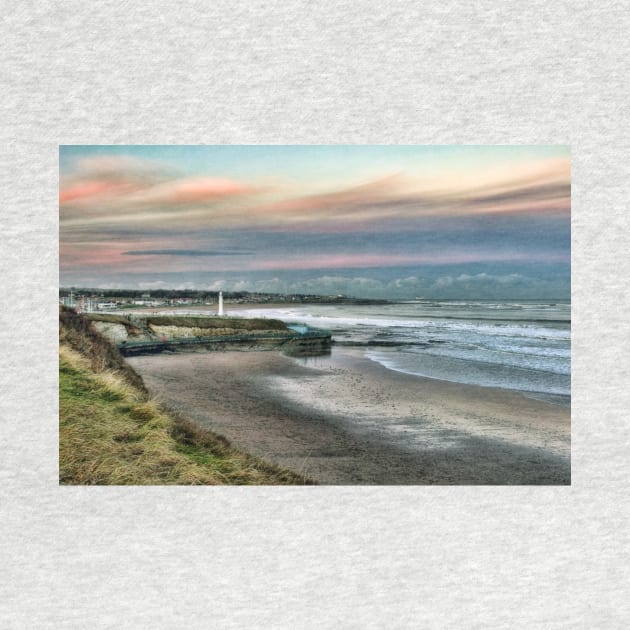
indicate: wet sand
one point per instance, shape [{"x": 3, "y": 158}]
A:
[{"x": 347, "y": 420}]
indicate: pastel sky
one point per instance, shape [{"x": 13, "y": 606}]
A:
[{"x": 369, "y": 221}]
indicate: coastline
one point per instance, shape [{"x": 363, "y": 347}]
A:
[
  {"x": 345, "y": 419},
  {"x": 534, "y": 362}
]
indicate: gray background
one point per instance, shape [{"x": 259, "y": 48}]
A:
[{"x": 305, "y": 72}]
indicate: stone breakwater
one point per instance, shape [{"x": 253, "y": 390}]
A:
[{"x": 149, "y": 334}]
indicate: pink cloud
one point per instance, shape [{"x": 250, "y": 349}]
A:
[
  {"x": 84, "y": 189},
  {"x": 93, "y": 191},
  {"x": 111, "y": 201},
  {"x": 96, "y": 179},
  {"x": 102, "y": 185},
  {"x": 191, "y": 190},
  {"x": 94, "y": 253}
]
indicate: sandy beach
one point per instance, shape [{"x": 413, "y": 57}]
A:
[{"x": 344, "y": 419}]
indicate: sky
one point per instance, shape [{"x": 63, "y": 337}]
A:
[{"x": 451, "y": 222}]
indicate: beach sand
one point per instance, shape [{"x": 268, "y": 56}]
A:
[{"x": 345, "y": 419}]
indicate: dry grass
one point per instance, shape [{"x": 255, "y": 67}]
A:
[
  {"x": 111, "y": 432},
  {"x": 78, "y": 333}
]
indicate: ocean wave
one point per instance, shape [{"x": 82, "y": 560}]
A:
[{"x": 518, "y": 346}]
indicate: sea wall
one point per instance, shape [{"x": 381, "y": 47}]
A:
[
  {"x": 137, "y": 334},
  {"x": 290, "y": 344}
]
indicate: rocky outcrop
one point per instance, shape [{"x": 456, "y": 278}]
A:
[
  {"x": 113, "y": 332},
  {"x": 118, "y": 328}
]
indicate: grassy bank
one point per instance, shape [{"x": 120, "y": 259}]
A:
[
  {"x": 236, "y": 323},
  {"x": 111, "y": 432},
  {"x": 196, "y": 321}
]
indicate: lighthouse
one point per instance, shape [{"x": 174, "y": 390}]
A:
[{"x": 220, "y": 313}]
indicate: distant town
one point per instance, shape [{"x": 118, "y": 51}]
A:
[{"x": 89, "y": 300}]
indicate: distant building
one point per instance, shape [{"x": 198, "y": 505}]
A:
[{"x": 145, "y": 302}]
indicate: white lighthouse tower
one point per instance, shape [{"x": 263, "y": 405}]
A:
[{"x": 220, "y": 313}]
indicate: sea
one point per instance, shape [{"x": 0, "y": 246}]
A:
[{"x": 516, "y": 345}]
